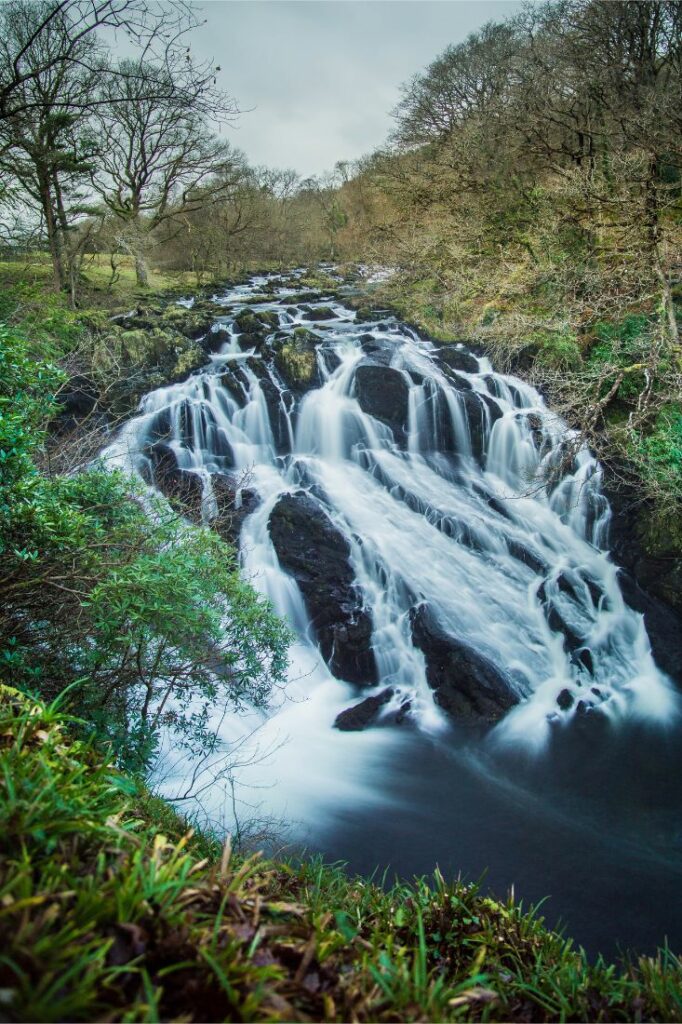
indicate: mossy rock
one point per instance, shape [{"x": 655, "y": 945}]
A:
[
  {"x": 247, "y": 322},
  {"x": 297, "y": 364},
  {"x": 304, "y": 338},
  {"x": 321, "y": 313},
  {"x": 268, "y": 318},
  {"x": 187, "y": 321}
]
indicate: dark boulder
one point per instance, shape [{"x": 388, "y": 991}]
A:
[
  {"x": 528, "y": 556},
  {"x": 467, "y": 685},
  {"x": 480, "y": 412},
  {"x": 364, "y": 714},
  {"x": 457, "y": 380},
  {"x": 383, "y": 393},
  {"x": 458, "y": 359},
  {"x": 663, "y": 625},
  {"x": 78, "y": 397},
  {"x": 218, "y": 336},
  {"x": 229, "y": 517},
  {"x": 235, "y": 381},
  {"x": 182, "y": 487},
  {"x": 651, "y": 580},
  {"x": 312, "y": 550},
  {"x": 321, "y": 313},
  {"x": 556, "y": 621}
]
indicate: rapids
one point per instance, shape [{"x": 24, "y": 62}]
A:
[{"x": 454, "y": 488}]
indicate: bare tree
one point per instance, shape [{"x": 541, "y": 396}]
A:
[
  {"x": 51, "y": 58},
  {"x": 158, "y": 160},
  {"x": 64, "y": 33}
]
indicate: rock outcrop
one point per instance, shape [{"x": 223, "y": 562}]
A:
[
  {"x": 317, "y": 555},
  {"x": 465, "y": 683},
  {"x": 383, "y": 392}
]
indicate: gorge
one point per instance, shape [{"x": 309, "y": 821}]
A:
[{"x": 468, "y": 684}]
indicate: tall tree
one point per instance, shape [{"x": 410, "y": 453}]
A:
[
  {"x": 158, "y": 159},
  {"x": 51, "y": 59}
]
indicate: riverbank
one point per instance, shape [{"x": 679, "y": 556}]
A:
[{"x": 115, "y": 910}]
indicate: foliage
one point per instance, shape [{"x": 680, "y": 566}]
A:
[
  {"x": 111, "y": 591},
  {"x": 662, "y": 448},
  {"x": 112, "y": 910}
]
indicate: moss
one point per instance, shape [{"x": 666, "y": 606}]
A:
[
  {"x": 297, "y": 365},
  {"x": 558, "y": 350}
]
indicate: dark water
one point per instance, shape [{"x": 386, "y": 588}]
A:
[{"x": 594, "y": 826}]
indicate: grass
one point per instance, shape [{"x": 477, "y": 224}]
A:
[{"x": 111, "y": 908}]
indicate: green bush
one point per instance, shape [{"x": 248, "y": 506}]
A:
[
  {"x": 146, "y": 617},
  {"x": 661, "y": 449}
]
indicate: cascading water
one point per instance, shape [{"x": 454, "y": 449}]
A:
[{"x": 452, "y": 490}]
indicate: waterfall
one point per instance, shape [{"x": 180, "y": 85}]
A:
[{"x": 451, "y": 487}]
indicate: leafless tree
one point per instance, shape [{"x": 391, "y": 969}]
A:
[{"x": 158, "y": 159}]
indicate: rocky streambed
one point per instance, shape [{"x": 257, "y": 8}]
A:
[
  {"x": 511, "y": 608},
  {"x": 466, "y": 658}
]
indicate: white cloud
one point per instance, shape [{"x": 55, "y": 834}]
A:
[{"x": 317, "y": 79}]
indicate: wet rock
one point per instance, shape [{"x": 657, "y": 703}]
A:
[
  {"x": 565, "y": 700},
  {"x": 332, "y": 360},
  {"x": 296, "y": 360},
  {"x": 380, "y": 355},
  {"x": 524, "y": 554},
  {"x": 230, "y": 515},
  {"x": 457, "y": 380},
  {"x": 480, "y": 412},
  {"x": 321, "y": 313},
  {"x": 583, "y": 659},
  {"x": 277, "y": 401},
  {"x": 182, "y": 488},
  {"x": 364, "y": 714},
  {"x": 384, "y": 394},
  {"x": 458, "y": 359},
  {"x": 556, "y": 621},
  {"x": 216, "y": 338},
  {"x": 234, "y": 380},
  {"x": 663, "y": 626},
  {"x": 312, "y": 550},
  {"x": 535, "y": 425},
  {"x": 253, "y": 327},
  {"x": 467, "y": 685},
  {"x": 652, "y": 578}
]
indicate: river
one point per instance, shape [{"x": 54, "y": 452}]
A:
[{"x": 437, "y": 539}]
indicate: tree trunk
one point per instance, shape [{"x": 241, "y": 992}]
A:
[
  {"x": 69, "y": 268},
  {"x": 53, "y": 234},
  {"x": 141, "y": 271}
]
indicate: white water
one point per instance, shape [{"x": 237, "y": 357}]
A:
[{"x": 423, "y": 525}]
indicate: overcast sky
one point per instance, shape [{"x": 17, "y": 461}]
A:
[{"x": 317, "y": 79}]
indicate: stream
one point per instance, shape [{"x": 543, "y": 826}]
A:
[{"x": 468, "y": 687}]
